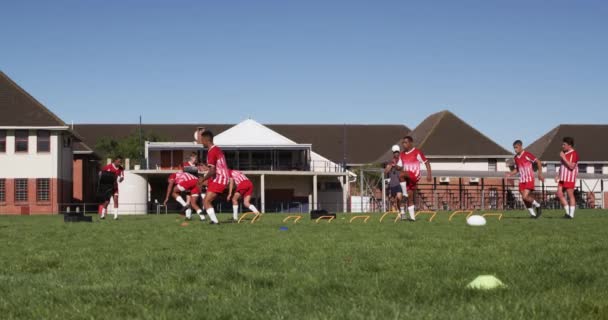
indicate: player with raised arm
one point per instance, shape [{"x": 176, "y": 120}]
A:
[
  {"x": 524, "y": 165},
  {"x": 409, "y": 162},
  {"x": 566, "y": 177},
  {"x": 244, "y": 189},
  {"x": 115, "y": 167}
]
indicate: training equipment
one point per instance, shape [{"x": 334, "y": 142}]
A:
[
  {"x": 256, "y": 216},
  {"x": 388, "y": 213},
  {"x": 497, "y": 215},
  {"x": 476, "y": 221},
  {"x": 295, "y": 218},
  {"x": 432, "y": 213},
  {"x": 365, "y": 218},
  {"x": 468, "y": 213},
  {"x": 328, "y": 218},
  {"x": 486, "y": 282},
  {"x": 314, "y": 214}
]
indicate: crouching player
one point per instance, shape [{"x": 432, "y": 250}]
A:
[
  {"x": 186, "y": 182},
  {"x": 524, "y": 165},
  {"x": 171, "y": 191},
  {"x": 244, "y": 189}
]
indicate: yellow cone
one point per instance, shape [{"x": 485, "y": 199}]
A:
[{"x": 486, "y": 282}]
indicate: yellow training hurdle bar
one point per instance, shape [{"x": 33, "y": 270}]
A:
[
  {"x": 432, "y": 213},
  {"x": 499, "y": 215},
  {"x": 387, "y": 213},
  {"x": 295, "y": 218},
  {"x": 328, "y": 218},
  {"x": 255, "y": 218},
  {"x": 468, "y": 213},
  {"x": 365, "y": 218}
]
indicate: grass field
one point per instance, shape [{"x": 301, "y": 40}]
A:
[{"x": 151, "y": 267}]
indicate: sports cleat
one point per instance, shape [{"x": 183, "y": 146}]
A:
[
  {"x": 539, "y": 211},
  {"x": 567, "y": 216}
]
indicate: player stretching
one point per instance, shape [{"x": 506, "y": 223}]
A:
[
  {"x": 409, "y": 162},
  {"x": 116, "y": 168},
  {"x": 217, "y": 176},
  {"x": 524, "y": 164},
  {"x": 567, "y": 176},
  {"x": 244, "y": 188}
]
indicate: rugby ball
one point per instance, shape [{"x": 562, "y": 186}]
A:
[
  {"x": 196, "y": 135},
  {"x": 476, "y": 221}
]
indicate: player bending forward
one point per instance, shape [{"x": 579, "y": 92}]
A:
[
  {"x": 244, "y": 189},
  {"x": 116, "y": 168},
  {"x": 524, "y": 165},
  {"x": 409, "y": 162},
  {"x": 566, "y": 176},
  {"x": 178, "y": 183},
  {"x": 217, "y": 177}
]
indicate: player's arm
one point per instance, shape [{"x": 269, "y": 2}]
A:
[
  {"x": 511, "y": 173},
  {"x": 570, "y": 164},
  {"x": 429, "y": 173},
  {"x": 210, "y": 174},
  {"x": 121, "y": 175},
  {"x": 388, "y": 168},
  {"x": 539, "y": 165},
  {"x": 230, "y": 186},
  {"x": 169, "y": 191}
]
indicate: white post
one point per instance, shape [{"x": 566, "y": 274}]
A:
[
  {"x": 315, "y": 200},
  {"x": 344, "y": 193},
  {"x": 383, "y": 191},
  {"x": 262, "y": 194}
]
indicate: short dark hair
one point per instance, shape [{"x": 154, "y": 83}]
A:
[
  {"x": 207, "y": 134},
  {"x": 117, "y": 157},
  {"x": 569, "y": 140},
  {"x": 409, "y": 138},
  {"x": 517, "y": 142}
]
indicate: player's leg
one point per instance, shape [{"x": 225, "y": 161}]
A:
[
  {"x": 398, "y": 198},
  {"x": 249, "y": 205},
  {"x": 527, "y": 203},
  {"x": 570, "y": 192},
  {"x": 562, "y": 198},
  {"x": 104, "y": 208},
  {"x": 208, "y": 205},
  {"x": 115, "y": 198},
  {"x": 235, "y": 205},
  {"x": 411, "y": 209},
  {"x": 533, "y": 203}
]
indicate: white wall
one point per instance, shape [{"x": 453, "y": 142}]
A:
[
  {"x": 466, "y": 165},
  {"x": 30, "y": 164}
]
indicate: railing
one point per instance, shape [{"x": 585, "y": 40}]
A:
[{"x": 314, "y": 165}]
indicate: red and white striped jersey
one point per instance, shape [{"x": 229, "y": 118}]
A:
[
  {"x": 181, "y": 177},
  {"x": 215, "y": 157},
  {"x": 117, "y": 171},
  {"x": 566, "y": 174},
  {"x": 410, "y": 161},
  {"x": 238, "y": 176},
  {"x": 524, "y": 165}
]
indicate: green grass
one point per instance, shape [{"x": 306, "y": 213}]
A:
[{"x": 151, "y": 267}]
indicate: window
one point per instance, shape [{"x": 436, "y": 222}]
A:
[
  {"x": 2, "y": 190},
  {"x": 20, "y": 190},
  {"x": 43, "y": 188},
  {"x": 582, "y": 168},
  {"x": 21, "y": 140},
  {"x": 492, "y": 164},
  {"x": 44, "y": 141},
  {"x": 598, "y": 169},
  {"x": 2, "y": 140}
]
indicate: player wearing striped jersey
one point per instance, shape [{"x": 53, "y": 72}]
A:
[
  {"x": 174, "y": 191},
  {"x": 217, "y": 177},
  {"x": 409, "y": 162},
  {"x": 566, "y": 177},
  {"x": 524, "y": 165},
  {"x": 186, "y": 182},
  {"x": 244, "y": 188}
]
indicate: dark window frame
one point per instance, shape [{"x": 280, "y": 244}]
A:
[
  {"x": 2, "y": 190},
  {"x": 3, "y": 135},
  {"x": 19, "y": 199},
  {"x": 47, "y": 141},
  {"x": 46, "y": 199},
  {"x": 21, "y": 140}
]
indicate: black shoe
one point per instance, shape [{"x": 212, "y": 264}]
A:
[
  {"x": 211, "y": 222},
  {"x": 539, "y": 212},
  {"x": 567, "y": 216}
]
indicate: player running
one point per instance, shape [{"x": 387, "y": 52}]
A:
[
  {"x": 409, "y": 162},
  {"x": 566, "y": 177},
  {"x": 119, "y": 172},
  {"x": 394, "y": 183},
  {"x": 217, "y": 177},
  {"x": 244, "y": 188},
  {"x": 524, "y": 165}
]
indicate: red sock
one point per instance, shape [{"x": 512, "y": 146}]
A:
[{"x": 100, "y": 209}]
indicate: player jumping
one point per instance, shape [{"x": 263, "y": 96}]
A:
[
  {"x": 524, "y": 165},
  {"x": 566, "y": 176},
  {"x": 116, "y": 168},
  {"x": 244, "y": 188},
  {"x": 217, "y": 177},
  {"x": 409, "y": 163}
]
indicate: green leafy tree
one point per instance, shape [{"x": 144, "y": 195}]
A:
[{"x": 128, "y": 147}]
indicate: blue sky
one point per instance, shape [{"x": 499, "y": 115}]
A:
[{"x": 513, "y": 69}]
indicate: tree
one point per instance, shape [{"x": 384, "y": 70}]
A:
[{"x": 128, "y": 147}]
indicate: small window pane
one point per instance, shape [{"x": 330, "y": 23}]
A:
[
  {"x": 21, "y": 140},
  {"x": 2, "y": 140},
  {"x": 43, "y": 189},
  {"x": 492, "y": 165},
  {"x": 2, "y": 190},
  {"x": 20, "y": 190},
  {"x": 598, "y": 169},
  {"x": 44, "y": 141}
]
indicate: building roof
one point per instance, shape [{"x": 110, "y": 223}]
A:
[
  {"x": 588, "y": 141},
  {"x": 19, "y": 109},
  {"x": 364, "y": 143},
  {"x": 445, "y": 134}
]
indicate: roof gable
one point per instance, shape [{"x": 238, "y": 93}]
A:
[
  {"x": 250, "y": 132},
  {"x": 587, "y": 142}
]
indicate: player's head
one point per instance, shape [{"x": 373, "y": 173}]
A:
[
  {"x": 117, "y": 161},
  {"x": 518, "y": 146},
  {"x": 408, "y": 142},
  {"x": 567, "y": 143},
  {"x": 207, "y": 138},
  {"x": 194, "y": 157},
  {"x": 396, "y": 150}
]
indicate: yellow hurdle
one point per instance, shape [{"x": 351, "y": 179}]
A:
[
  {"x": 499, "y": 215},
  {"x": 432, "y": 213},
  {"x": 387, "y": 213},
  {"x": 296, "y": 218},
  {"x": 365, "y": 218},
  {"x": 256, "y": 216},
  {"x": 468, "y": 213},
  {"x": 328, "y": 218}
]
